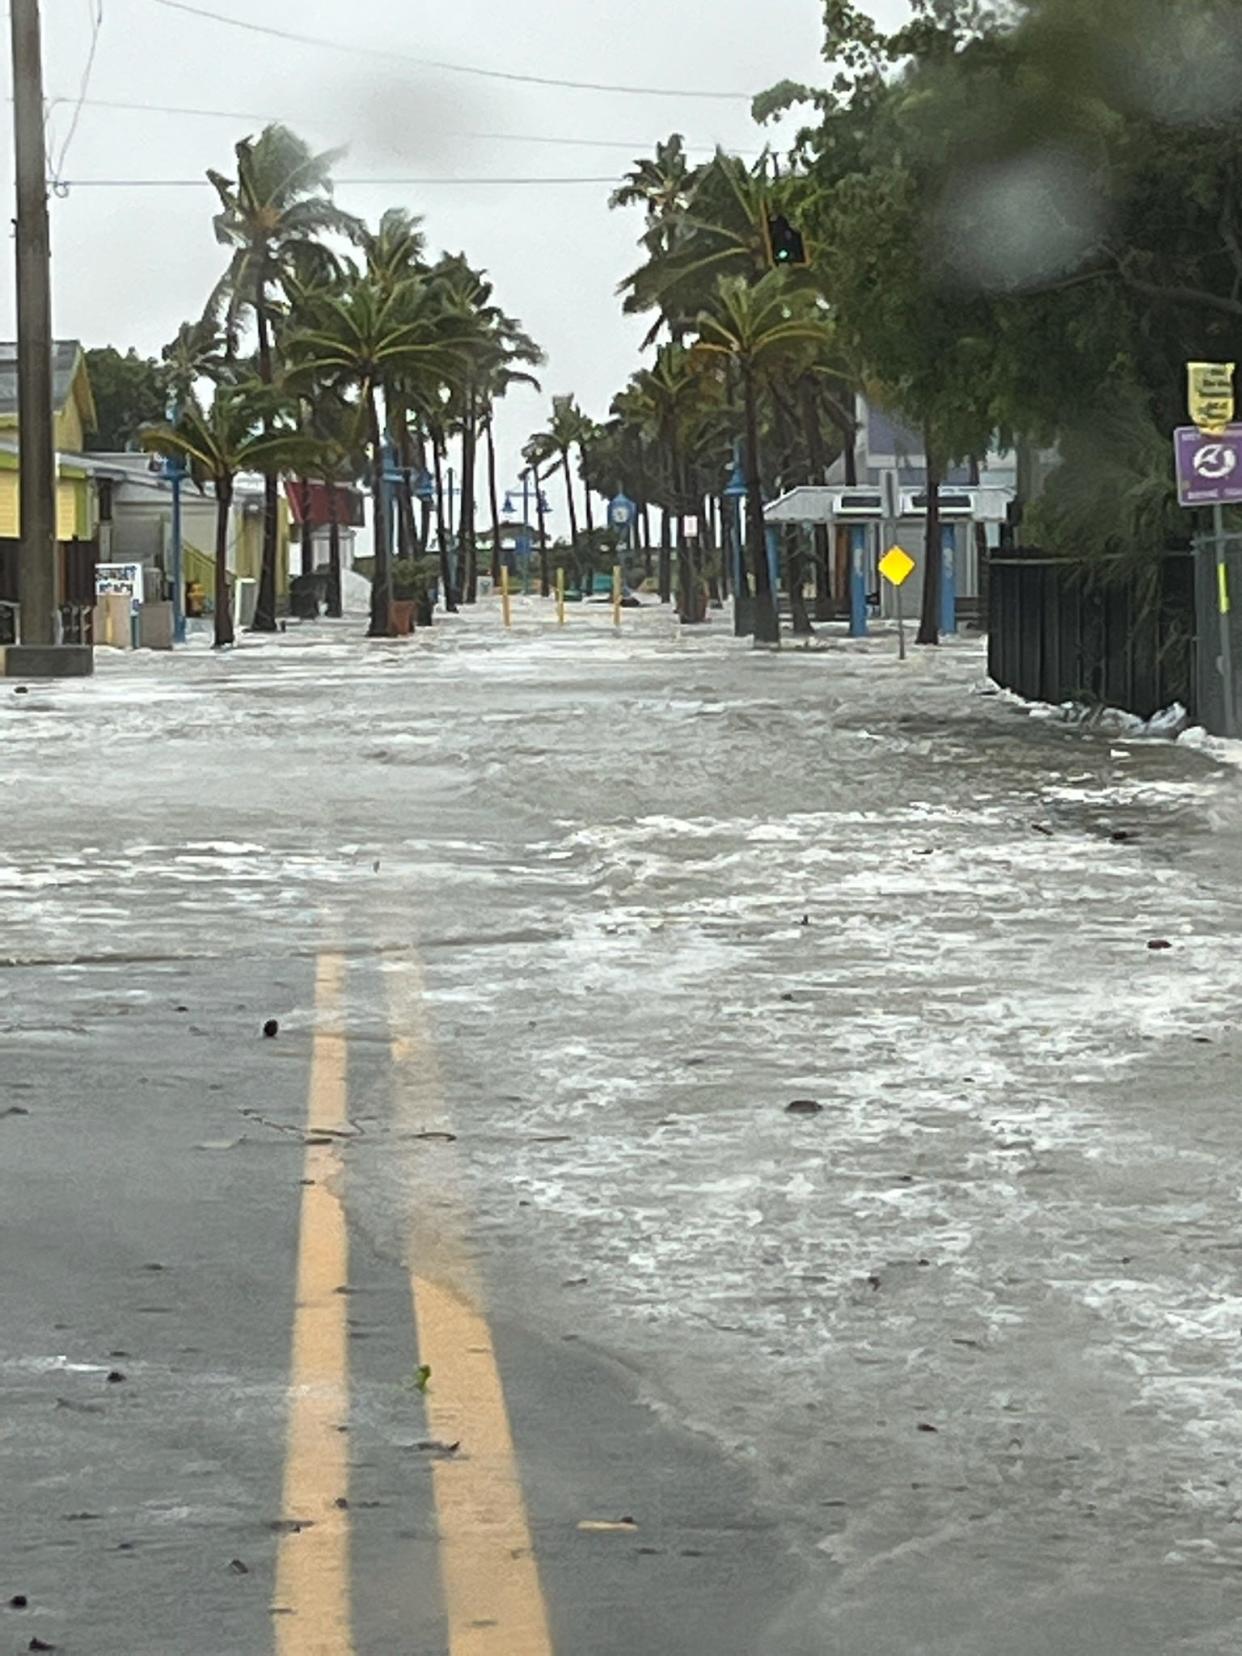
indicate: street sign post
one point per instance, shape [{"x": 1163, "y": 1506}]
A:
[
  {"x": 1209, "y": 467},
  {"x": 897, "y": 566},
  {"x": 1212, "y": 403}
]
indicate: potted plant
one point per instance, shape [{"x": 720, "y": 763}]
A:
[
  {"x": 406, "y": 580},
  {"x": 426, "y": 581}
]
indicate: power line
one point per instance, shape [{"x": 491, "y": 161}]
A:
[
  {"x": 633, "y": 147},
  {"x": 65, "y": 185},
  {"x": 95, "y": 7},
  {"x": 389, "y": 56}
]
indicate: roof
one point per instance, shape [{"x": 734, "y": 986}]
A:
[{"x": 66, "y": 354}]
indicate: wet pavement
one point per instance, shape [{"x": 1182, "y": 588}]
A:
[{"x": 947, "y": 1364}]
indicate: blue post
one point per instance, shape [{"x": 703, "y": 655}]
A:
[
  {"x": 858, "y": 581},
  {"x": 948, "y": 581}
]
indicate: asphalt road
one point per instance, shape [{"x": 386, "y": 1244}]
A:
[{"x": 555, "y": 927}]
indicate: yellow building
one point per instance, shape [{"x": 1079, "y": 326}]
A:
[{"x": 77, "y": 513}]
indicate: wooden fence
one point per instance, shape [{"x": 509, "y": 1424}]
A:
[{"x": 1060, "y": 632}]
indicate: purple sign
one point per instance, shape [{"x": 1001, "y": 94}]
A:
[{"x": 1209, "y": 469}]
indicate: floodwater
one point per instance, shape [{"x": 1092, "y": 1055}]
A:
[{"x": 975, "y": 1323}]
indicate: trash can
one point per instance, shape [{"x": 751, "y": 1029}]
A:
[{"x": 306, "y": 593}]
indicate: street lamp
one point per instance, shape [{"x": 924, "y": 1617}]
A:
[{"x": 543, "y": 505}]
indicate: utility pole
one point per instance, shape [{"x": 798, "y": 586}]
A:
[{"x": 38, "y": 557}]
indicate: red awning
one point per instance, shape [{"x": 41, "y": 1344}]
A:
[{"x": 311, "y": 502}]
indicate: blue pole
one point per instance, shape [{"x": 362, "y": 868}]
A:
[
  {"x": 948, "y": 581},
  {"x": 774, "y": 562},
  {"x": 178, "y": 578},
  {"x": 858, "y": 580}
]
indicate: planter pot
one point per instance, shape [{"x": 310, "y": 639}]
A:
[{"x": 403, "y": 616}]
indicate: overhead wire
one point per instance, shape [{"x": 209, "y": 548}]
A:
[
  {"x": 67, "y": 184},
  {"x": 95, "y": 9},
  {"x": 634, "y": 146},
  {"x": 388, "y": 55}
]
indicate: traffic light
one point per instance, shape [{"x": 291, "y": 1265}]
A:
[{"x": 786, "y": 243}]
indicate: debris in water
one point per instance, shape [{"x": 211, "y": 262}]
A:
[
  {"x": 271, "y": 1029},
  {"x": 606, "y": 1526},
  {"x": 1159, "y": 944},
  {"x": 236, "y": 1567},
  {"x": 804, "y": 1107}
]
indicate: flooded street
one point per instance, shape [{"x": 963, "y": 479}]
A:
[{"x": 969, "y": 1326}]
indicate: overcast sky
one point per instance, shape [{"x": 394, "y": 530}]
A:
[{"x": 129, "y": 264}]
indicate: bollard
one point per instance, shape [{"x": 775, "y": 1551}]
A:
[
  {"x": 616, "y": 596},
  {"x": 948, "y": 580},
  {"x": 858, "y": 580},
  {"x": 506, "y": 609},
  {"x": 560, "y": 596}
]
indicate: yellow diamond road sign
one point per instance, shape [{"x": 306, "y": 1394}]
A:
[{"x": 897, "y": 566}]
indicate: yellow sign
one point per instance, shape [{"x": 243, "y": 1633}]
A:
[
  {"x": 897, "y": 566},
  {"x": 1211, "y": 395}
]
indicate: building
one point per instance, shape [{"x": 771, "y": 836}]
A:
[
  {"x": 77, "y": 504},
  {"x": 136, "y": 512},
  {"x": 974, "y": 504}
]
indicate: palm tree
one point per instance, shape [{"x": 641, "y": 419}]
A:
[
  {"x": 278, "y": 205},
  {"x": 660, "y": 183},
  {"x": 502, "y": 376},
  {"x": 759, "y": 330},
  {"x": 396, "y": 253},
  {"x": 196, "y": 353},
  {"x": 719, "y": 230},
  {"x": 552, "y": 448},
  {"x": 246, "y": 427},
  {"x": 666, "y": 401},
  {"x": 364, "y": 340}
]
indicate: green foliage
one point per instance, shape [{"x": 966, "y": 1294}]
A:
[
  {"x": 247, "y": 426},
  {"x": 413, "y": 578},
  {"x": 1112, "y": 498},
  {"x": 130, "y": 392}
]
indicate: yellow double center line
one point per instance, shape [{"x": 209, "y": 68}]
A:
[
  {"x": 312, "y": 1599},
  {"x": 493, "y": 1600}
]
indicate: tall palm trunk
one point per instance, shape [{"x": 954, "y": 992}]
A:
[
  {"x": 469, "y": 451},
  {"x": 687, "y": 578},
  {"x": 407, "y": 524},
  {"x": 447, "y": 597},
  {"x": 381, "y": 580},
  {"x": 817, "y": 458},
  {"x": 586, "y": 493},
  {"x": 308, "y": 532},
  {"x": 664, "y": 575},
  {"x": 265, "y": 603},
  {"x": 224, "y": 606},
  {"x": 493, "y": 494},
  {"x": 335, "y": 605},
  {"x": 545, "y": 551},
  {"x": 575, "y": 540},
  {"x": 766, "y": 619},
  {"x": 933, "y": 574},
  {"x": 411, "y": 542},
  {"x": 790, "y": 538}
]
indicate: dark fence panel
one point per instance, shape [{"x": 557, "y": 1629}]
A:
[
  {"x": 1059, "y": 632},
  {"x": 77, "y": 572}
]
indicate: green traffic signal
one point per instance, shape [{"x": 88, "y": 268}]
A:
[{"x": 786, "y": 243}]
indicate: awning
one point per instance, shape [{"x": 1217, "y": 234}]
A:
[
  {"x": 815, "y": 504},
  {"x": 312, "y": 502}
]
